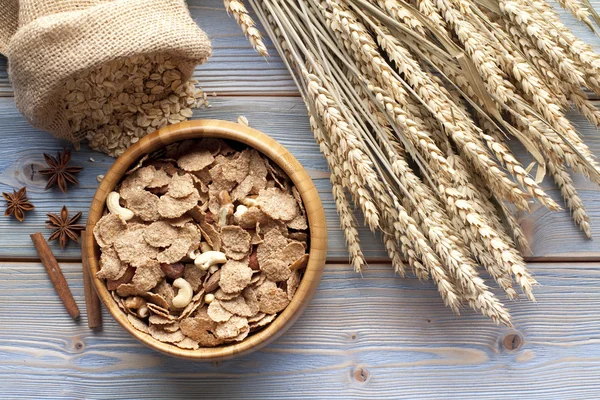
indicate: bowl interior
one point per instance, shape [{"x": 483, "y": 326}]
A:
[{"x": 276, "y": 153}]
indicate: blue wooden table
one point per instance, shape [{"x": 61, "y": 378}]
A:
[{"x": 368, "y": 336}]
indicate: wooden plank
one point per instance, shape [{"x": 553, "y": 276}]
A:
[
  {"x": 21, "y": 149},
  {"x": 375, "y": 336},
  {"x": 552, "y": 235},
  {"x": 233, "y": 68}
]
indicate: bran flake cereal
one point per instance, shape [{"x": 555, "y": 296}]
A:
[{"x": 201, "y": 196}]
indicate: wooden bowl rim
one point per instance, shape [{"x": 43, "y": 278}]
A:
[{"x": 274, "y": 151}]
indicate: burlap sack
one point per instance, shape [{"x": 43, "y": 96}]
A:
[{"x": 48, "y": 41}]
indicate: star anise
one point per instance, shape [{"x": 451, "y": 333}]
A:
[
  {"x": 17, "y": 203},
  {"x": 60, "y": 172},
  {"x": 64, "y": 227}
]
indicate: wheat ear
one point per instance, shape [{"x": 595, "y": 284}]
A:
[{"x": 240, "y": 13}]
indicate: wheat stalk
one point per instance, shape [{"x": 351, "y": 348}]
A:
[
  {"x": 424, "y": 157},
  {"x": 240, "y": 13}
]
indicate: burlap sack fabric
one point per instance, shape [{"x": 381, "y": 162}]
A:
[{"x": 48, "y": 41}]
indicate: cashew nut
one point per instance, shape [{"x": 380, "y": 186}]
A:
[
  {"x": 249, "y": 202},
  {"x": 206, "y": 260},
  {"x": 112, "y": 202},
  {"x": 209, "y": 298},
  {"x": 143, "y": 312},
  {"x": 193, "y": 254},
  {"x": 184, "y": 294},
  {"x": 212, "y": 269},
  {"x": 204, "y": 247},
  {"x": 239, "y": 212}
]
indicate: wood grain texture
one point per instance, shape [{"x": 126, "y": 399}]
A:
[{"x": 360, "y": 337}]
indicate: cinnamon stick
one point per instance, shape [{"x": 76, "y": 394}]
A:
[
  {"x": 55, "y": 273},
  {"x": 92, "y": 301}
]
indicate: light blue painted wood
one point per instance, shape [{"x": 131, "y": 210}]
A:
[{"x": 394, "y": 332}]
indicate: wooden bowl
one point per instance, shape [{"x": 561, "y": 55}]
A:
[{"x": 275, "y": 152}]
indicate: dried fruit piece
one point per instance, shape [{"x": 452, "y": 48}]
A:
[{"x": 173, "y": 270}]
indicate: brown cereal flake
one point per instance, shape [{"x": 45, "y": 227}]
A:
[
  {"x": 113, "y": 284},
  {"x": 138, "y": 180},
  {"x": 181, "y": 186},
  {"x": 267, "y": 319},
  {"x": 231, "y": 328},
  {"x": 147, "y": 277},
  {"x": 197, "y": 301},
  {"x": 277, "y": 204},
  {"x": 133, "y": 249},
  {"x": 170, "y": 207},
  {"x": 243, "y": 335},
  {"x": 300, "y": 263},
  {"x": 166, "y": 291},
  {"x": 217, "y": 313},
  {"x": 277, "y": 270},
  {"x": 160, "y": 234},
  {"x": 256, "y": 317},
  {"x": 251, "y": 300},
  {"x": 159, "y": 320},
  {"x": 111, "y": 266},
  {"x": 194, "y": 276},
  {"x": 165, "y": 337},
  {"x": 237, "y": 306},
  {"x": 108, "y": 229},
  {"x": 174, "y": 253},
  {"x": 137, "y": 323},
  {"x": 180, "y": 222},
  {"x": 211, "y": 235},
  {"x": 301, "y": 237},
  {"x": 271, "y": 299},
  {"x": 299, "y": 222},
  {"x": 291, "y": 253},
  {"x": 251, "y": 217},
  {"x": 195, "y": 160},
  {"x": 292, "y": 284},
  {"x": 258, "y": 278},
  {"x": 188, "y": 344},
  {"x": 221, "y": 295},
  {"x": 128, "y": 289},
  {"x": 158, "y": 310},
  {"x": 235, "y": 276},
  {"x": 235, "y": 239},
  {"x": 200, "y": 329},
  {"x": 273, "y": 243},
  {"x": 155, "y": 299},
  {"x": 161, "y": 178},
  {"x": 172, "y": 327},
  {"x": 143, "y": 204}
]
